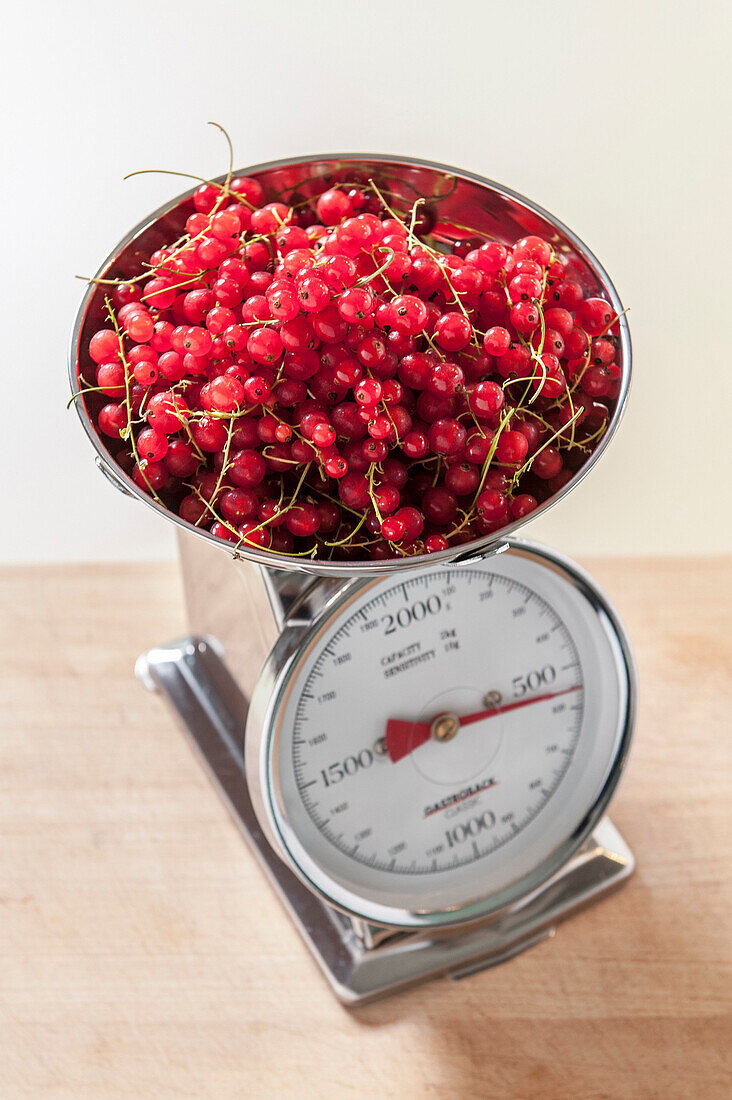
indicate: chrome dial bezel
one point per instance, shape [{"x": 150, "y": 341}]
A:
[{"x": 299, "y": 637}]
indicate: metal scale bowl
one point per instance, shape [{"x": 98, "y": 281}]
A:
[{"x": 254, "y": 618}]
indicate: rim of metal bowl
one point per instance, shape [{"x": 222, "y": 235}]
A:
[{"x": 478, "y": 547}]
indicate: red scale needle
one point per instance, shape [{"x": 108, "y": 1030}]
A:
[{"x": 402, "y": 737}]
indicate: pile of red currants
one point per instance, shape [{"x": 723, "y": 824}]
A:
[{"x": 331, "y": 379}]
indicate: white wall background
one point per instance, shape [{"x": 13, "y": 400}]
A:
[{"x": 614, "y": 116}]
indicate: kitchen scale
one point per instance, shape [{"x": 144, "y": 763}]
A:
[{"x": 419, "y": 752}]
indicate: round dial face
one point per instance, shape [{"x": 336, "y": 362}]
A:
[{"x": 443, "y": 735}]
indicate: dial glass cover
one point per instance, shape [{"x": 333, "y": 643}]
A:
[{"x": 441, "y": 738}]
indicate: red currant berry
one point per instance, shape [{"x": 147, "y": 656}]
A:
[
  {"x": 374, "y": 450},
  {"x": 393, "y": 529},
  {"x": 413, "y": 521},
  {"x": 568, "y": 295},
  {"x": 238, "y": 505},
  {"x": 379, "y": 427},
  {"x": 247, "y": 469},
  {"x": 126, "y": 293},
  {"x": 180, "y": 460},
  {"x": 430, "y": 408},
  {"x": 524, "y": 288},
  {"x": 533, "y": 248},
  {"x": 323, "y": 434},
  {"x": 553, "y": 342},
  {"x": 560, "y": 320},
  {"x": 338, "y": 273},
  {"x": 595, "y": 316},
  {"x": 497, "y": 341},
  {"x": 205, "y": 197},
  {"x": 401, "y": 421},
  {"x": 336, "y": 466},
  {"x": 486, "y": 399},
  {"x": 223, "y": 532},
  {"x": 446, "y": 436},
  {"x": 264, "y": 345},
  {"x": 312, "y": 294},
  {"x": 355, "y": 304},
  {"x": 453, "y": 331},
  {"x": 491, "y": 257},
  {"x": 439, "y": 505},
  {"x": 329, "y": 326},
  {"x": 302, "y": 520},
  {"x": 226, "y": 393},
  {"x": 492, "y": 506},
  {"x": 160, "y": 339},
  {"x": 415, "y": 444},
  {"x": 426, "y": 274},
  {"x": 353, "y": 490},
  {"x": 549, "y": 378},
  {"x": 248, "y": 188},
  {"x": 193, "y": 510},
  {"x": 209, "y": 434},
  {"x": 368, "y": 391},
  {"x": 159, "y": 294},
  {"x": 198, "y": 341},
  {"x": 525, "y": 317},
  {"x": 596, "y": 381},
  {"x": 145, "y": 372},
  {"x": 522, "y": 505},
  {"x": 104, "y": 346},
  {"x": 531, "y": 432},
  {"x": 415, "y": 370},
  {"x": 371, "y": 351},
  {"x": 435, "y": 543},
  {"x": 576, "y": 343},
  {"x": 408, "y": 314},
  {"x": 256, "y": 390},
  {"x": 282, "y": 301},
  {"x": 150, "y": 476},
  {"x": 526, "y": 267},
  {"x": 333, "y": 206},
  {"x": 445, "y": 379},
  {"x": 462, "y": 480},
  {"x": 112, "y": 420},
  {"x": 512, "y": 447},
  {"x": 516, "y": 361},
  {"x": 546, "y": 463},
  {"x": 387, "y": 497},
  {"x": 167, "y": 411},
  {"x": 478, "y": 445},
  {"x": 255, "y": 535}
]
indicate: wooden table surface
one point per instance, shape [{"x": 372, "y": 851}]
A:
[{"x": 142, "y": 953}]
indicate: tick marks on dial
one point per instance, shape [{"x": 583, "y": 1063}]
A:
[{"x": 361, "y": 764}]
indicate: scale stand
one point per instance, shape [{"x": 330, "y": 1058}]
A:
[{"x": 362, "y": 961}]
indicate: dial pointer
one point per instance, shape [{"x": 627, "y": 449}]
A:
[{"x": 402, "y": 737}]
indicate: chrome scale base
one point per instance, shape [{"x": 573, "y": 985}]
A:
[{"x": 361, "y": 961}]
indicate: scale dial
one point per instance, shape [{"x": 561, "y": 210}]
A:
[{"x": 440, "y": 743}]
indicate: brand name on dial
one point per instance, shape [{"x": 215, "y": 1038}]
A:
[{"x": 459, "y": 796}]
